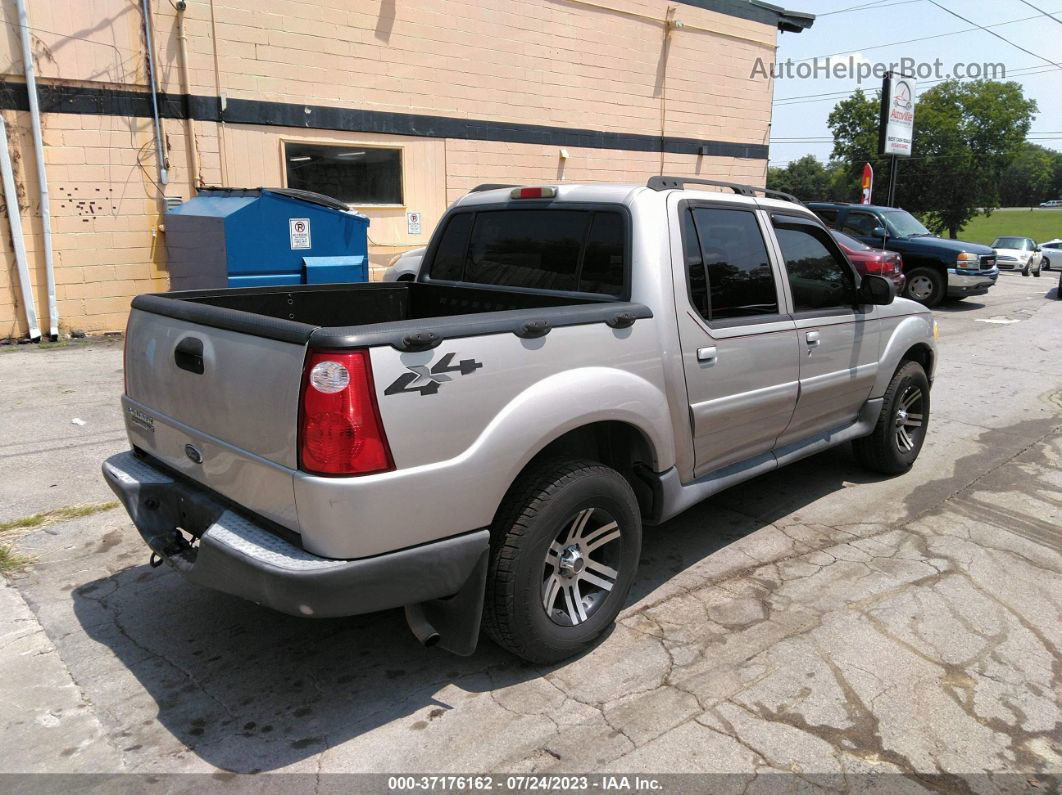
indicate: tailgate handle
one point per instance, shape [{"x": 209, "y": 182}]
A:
[{"x": 189, "y": 355}]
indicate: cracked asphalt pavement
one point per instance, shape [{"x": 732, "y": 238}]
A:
[{"x": 818, "y": 620}]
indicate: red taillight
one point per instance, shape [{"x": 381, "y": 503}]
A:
[{"x": 340, "y": 432}]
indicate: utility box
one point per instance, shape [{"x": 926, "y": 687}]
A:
[{"x": 236, "y": 237}]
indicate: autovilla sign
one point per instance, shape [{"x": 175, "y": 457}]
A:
[{"x": 897, "y": 114}]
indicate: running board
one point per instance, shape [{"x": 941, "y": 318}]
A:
[{"x": 673, "y": 497}]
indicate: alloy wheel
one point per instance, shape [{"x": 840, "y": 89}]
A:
[
  {"x": 909, "y": 419},
  {"x": 579, "y": 571}
]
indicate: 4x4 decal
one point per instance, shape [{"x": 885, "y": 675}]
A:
[{"x": 426, "y": 382}]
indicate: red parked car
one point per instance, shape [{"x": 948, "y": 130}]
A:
[{"x": 872, "y": 260}]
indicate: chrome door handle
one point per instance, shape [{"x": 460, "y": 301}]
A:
[
  {"x": 706, "y": 354},
  {"x": 812, "y": 338}
]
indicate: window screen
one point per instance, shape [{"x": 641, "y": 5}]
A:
[
  {"x": 818, "y": 278},
  {"x": 729, "y": 271},
  {"x": 570, "y": 250},
  {"x": 352, "y": 174}
]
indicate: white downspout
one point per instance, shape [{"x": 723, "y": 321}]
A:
[
  {"x": 42, "y": 172},
  {"x": 11, "y": 199}
]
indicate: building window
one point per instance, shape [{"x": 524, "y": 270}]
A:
[{"x": 353, "y": 174}]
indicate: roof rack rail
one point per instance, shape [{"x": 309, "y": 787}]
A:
[
  {"x": 668, "y": 183},
  {"x": 490, "y": 186}
]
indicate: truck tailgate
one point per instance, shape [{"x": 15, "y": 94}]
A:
[{"x": 226, "y": 398}]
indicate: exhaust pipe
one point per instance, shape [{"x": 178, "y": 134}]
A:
[{"x": 420, "y": 626}]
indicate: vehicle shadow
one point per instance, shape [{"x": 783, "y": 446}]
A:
[
  {"x": 247, "y": 689},
  {"x": 957, "y": 305}
]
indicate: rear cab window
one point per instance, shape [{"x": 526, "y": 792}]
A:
[{"x": 575, "y": 249}]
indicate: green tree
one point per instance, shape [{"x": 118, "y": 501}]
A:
[
  {"x": 807, "y": 179},
  {"x": 1029, "y": 177},
  {"x": 965, "y": 135}
]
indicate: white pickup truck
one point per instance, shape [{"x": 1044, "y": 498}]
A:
[{"x": 486, "y": 443}]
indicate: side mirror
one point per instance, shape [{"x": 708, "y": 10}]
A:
[
  {"x": 876, "y": 290},
  {"x": 879, "y": 231}
]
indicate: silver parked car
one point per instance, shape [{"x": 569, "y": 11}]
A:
[
  {"x": 485, "y": 444},
  {"x": 1052, "y": 254},
  {"x": 404, "y": 267}
]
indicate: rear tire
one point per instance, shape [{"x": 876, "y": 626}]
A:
[
  {"x": 565, "y": 546},
  {"x": 926, "y": 286},
  {"x": 901, "y": 428}
]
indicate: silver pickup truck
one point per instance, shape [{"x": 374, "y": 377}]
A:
[{"x": 484, "y": 445}]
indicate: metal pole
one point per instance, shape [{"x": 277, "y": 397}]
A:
[
  {"x": 164, "y": 177},
  {"x": 892, "y": 180},
  {"x": 11, "y": 198},
  {"x": 42, "y": 172}
]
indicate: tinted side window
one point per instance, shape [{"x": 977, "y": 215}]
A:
[
  {"x": 736, "y": 268},
  {"x": 860, "y": 224},
  {"x": 818, "y": 278},
  {"x": 449, "y": 262},
  {"x": 829, "y": 217},
  {"x": 696, "y": 277},
  {"x": 603, "y": 260}
]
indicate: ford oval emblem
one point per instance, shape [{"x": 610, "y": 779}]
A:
[{"x": 193, "y": 453}]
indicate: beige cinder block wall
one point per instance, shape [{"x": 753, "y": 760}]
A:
[{"x": 471, "y": 91}]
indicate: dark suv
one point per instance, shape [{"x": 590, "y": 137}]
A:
[{"x": 934, "y": 266}]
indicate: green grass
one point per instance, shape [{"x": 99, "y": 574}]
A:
[
  {"x": 1038, "y": 224},
  {"x": 58, "y": 515},
  {"x": 11, "y": 561}
]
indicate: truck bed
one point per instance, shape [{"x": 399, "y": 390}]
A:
[{"x": 405, "y": 315}]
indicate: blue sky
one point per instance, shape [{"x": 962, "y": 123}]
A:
[{"x": 799, "y": 123}]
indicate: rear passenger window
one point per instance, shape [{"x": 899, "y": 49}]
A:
[
  {"x": 568, "y": 250},
  {"x": 729, "y": 272}
]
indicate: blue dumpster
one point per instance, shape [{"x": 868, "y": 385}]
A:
[{"x": 233, "y": 237}]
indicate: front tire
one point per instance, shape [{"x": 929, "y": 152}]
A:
[
  {"x": 926, "y": 286},
  {"x": 901, "y": 428},
  {"x": 565, "y": 546}
]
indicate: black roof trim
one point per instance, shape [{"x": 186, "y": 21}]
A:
[{"x": 758, "y": 11}]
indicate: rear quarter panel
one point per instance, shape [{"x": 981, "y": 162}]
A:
[{"x": 458, "y": 444}]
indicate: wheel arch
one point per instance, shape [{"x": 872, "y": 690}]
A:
[
  {"x": 922, "y": 353},
  {"x": 911, "y": 340},
  {"x": 617, "y": 444}
]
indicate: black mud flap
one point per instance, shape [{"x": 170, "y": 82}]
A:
[{"x": 453, "y": 623}]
